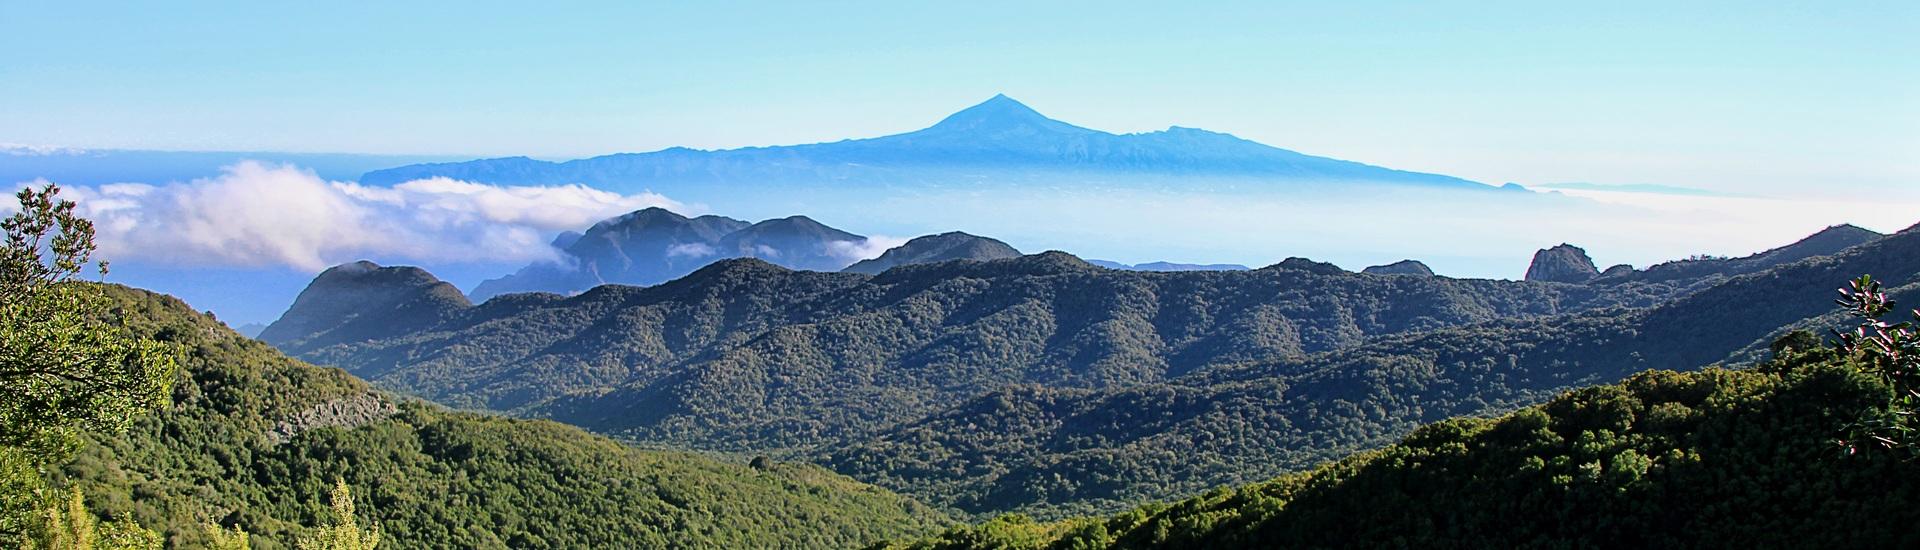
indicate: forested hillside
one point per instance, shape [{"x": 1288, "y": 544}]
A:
[
  {"x": 747, "y": 355},
  {"x": 1709, "y": 459},
  {"x": 254, "y": 439},
  {"x": 1046, "y": 385},
  {"x": 1049, "y": 451}
]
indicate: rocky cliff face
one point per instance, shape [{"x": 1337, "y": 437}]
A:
[{"x": 1562, "y": 264}]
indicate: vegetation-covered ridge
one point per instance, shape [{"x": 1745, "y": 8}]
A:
[
  {"x": 1049, "y": 451},
  {"x": 750, "y": 356},
  {"x": 254, "y": 439},
  {"x": 1715, "y": 458}
]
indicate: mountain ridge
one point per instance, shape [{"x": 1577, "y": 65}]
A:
[{"x": 1000, "y": 133}]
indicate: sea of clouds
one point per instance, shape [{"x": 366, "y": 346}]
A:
[{"x": 256, "y": 214}]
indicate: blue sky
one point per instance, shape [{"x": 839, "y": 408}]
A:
[
  {"x": 1793, "y": 116},
  {"x": 1781, "y": 98}
]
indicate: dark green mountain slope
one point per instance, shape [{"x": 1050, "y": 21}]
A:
[
  {"x": 1710, "y": 459},
  {"x": 1048, "y": 451},
  {"x": 952, "y": 245},
  {"x": 254, "y": 439},
  {"x": 744, "y": 355},
  {"x": 360, "y": 301}
]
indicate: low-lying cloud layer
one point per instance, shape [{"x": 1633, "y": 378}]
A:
[{"x": 259, "y": 215}]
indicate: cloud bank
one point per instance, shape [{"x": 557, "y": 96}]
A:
[{"x": 263, "y": 215}]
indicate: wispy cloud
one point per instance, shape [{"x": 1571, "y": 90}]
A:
[
  {"x": 26, "y": 150},
  {"x": 872, "y": 247},
  {"x": 257, "y": 214}
]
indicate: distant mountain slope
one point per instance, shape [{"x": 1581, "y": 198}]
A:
[
  {"x": 1402, "y": 267},
  {"x": 1049, "y": 450},
  {"x": 1828, "y": 241},
  {"x": 796, "y": 242},
  {"x": 1168, "y": 266},
  {"x": 746, "y": 355},
  {"x": 254, "y": 439},
  {"x": 654, "y": 245},
  {"x": 997, "y": 139},
  {"x": 1713, "y": 459},
  {"x": 936, "y": 248},
  {"x": 359, "y": 301},
  {"x": 1045, "y": 384}
]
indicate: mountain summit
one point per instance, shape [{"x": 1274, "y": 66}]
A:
[
  {"x": 998, "y": 141},
  {"x": 1002, "y": 114}
]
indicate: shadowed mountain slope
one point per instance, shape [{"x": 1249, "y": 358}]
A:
[
  {"x": 654, "y": 245},
  {"x": 746, "y": 355},
  {"x": 1050, "y": 450},
  {"x": 936, "y": 248},
  {"x": 361, "y": 301}
]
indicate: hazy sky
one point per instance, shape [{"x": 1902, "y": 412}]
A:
[{"x": 1813, "y": 98}]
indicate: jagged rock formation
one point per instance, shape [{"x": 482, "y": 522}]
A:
[
  {"x": 936, "y": 248},
  {"x": 342, "y": 412},
  {"x": 1402, "y": 267},
  {"x": 1562, "y": 264}
]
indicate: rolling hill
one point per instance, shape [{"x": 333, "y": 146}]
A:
[
  {"x": 253, "y": 439},
  {"x": 1710, "y": 459}
]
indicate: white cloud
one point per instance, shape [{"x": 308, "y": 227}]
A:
[
  {"x": 872, "y": 247},
  {"x": 690, "y": 250},
  {"x": 25, "y": 150},
  {"x": 256, "y": 214}
]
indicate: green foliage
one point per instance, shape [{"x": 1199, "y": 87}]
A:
[
  {"x": 69, "y": 526},
  {"x": 1044, "y": 386},
  {"x": 221, "y": 538},
  {"x": 65, "y": 369},
  {"x": 1051, "y": 452},
  {"x": 342, "y": 530},
  {"x": 1890, "y": 350},
  {"x": 253, "y": 435},
  {"x": 1716, "y": 458}
]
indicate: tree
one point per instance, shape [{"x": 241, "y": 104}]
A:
[
  {"x": 64, "y": 365},
  {"x": 69, "y": 526},
  {"x": 343, "y": 532},
  {"x": 1890, "y": 350},
  {"x": 220, "y": 538}
]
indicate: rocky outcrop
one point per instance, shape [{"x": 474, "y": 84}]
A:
[
  {"x": 345, "y": 412},
  {"x": 1562, "y": 264},
  {"x": 1402, "y": 267}
]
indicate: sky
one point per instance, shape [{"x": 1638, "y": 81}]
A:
[
  {"x": 1696, "y": 127},
  {"x": 1801, "y": 98}
]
